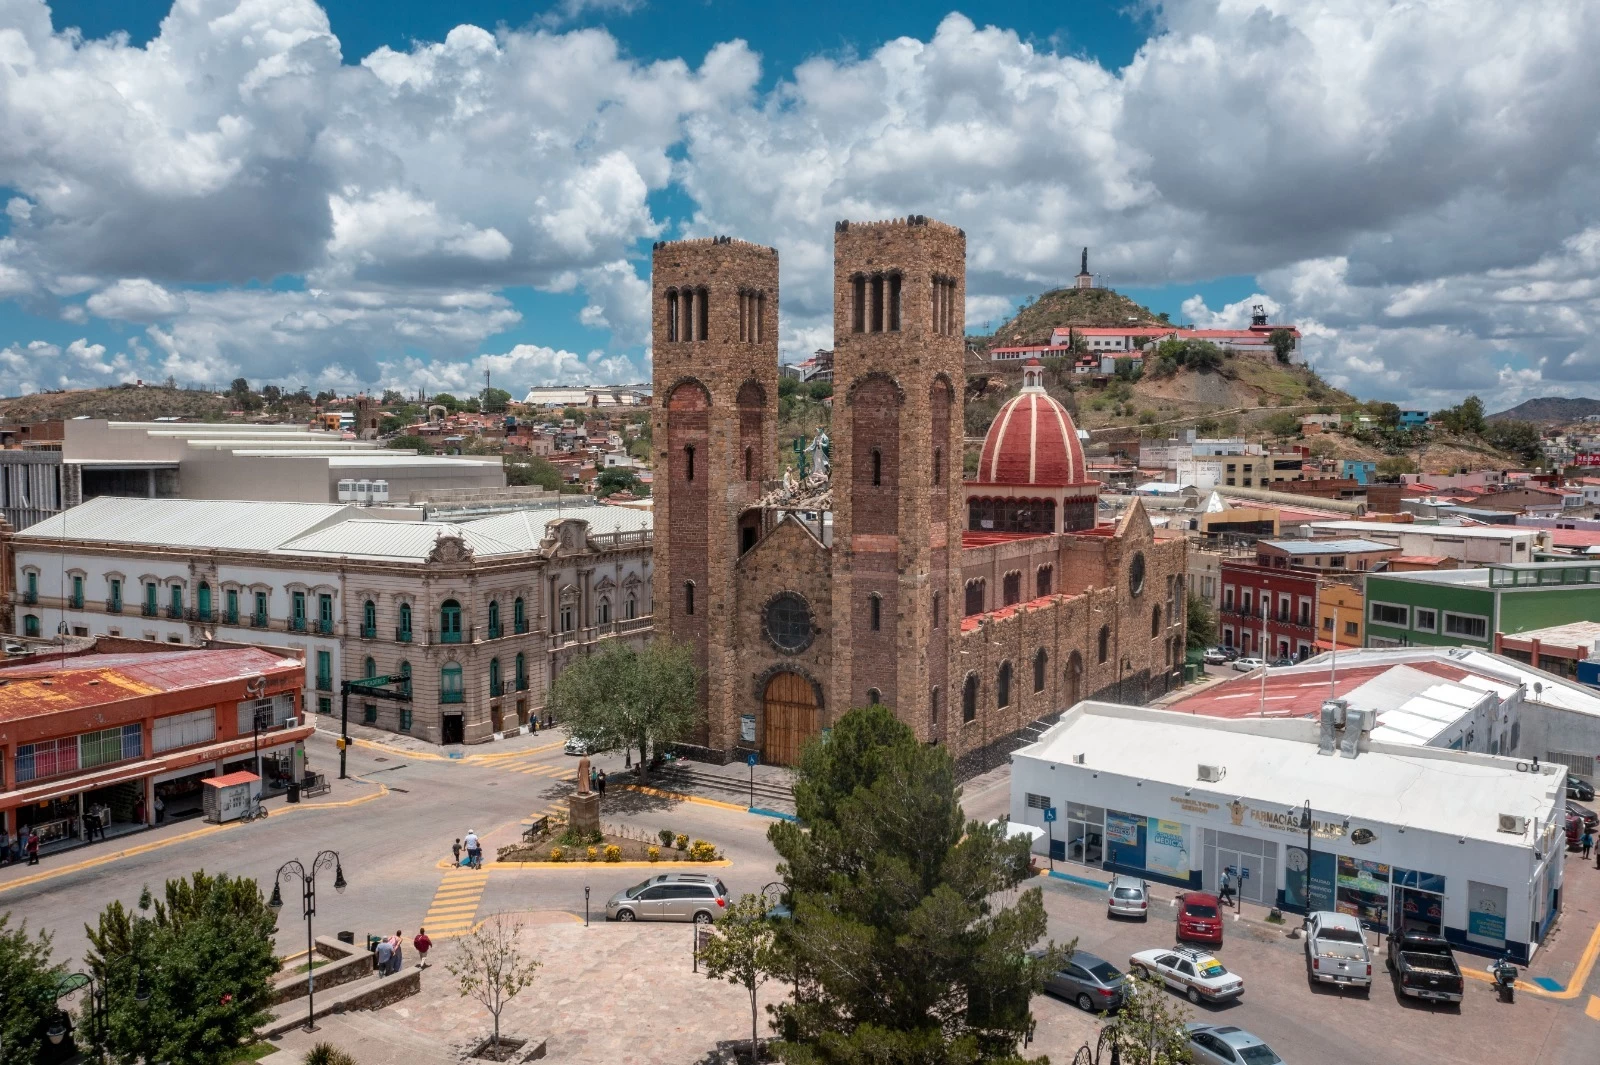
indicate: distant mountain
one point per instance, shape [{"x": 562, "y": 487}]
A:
[{"x": 1556, "y": 410}]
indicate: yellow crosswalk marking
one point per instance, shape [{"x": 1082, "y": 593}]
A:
[
  {"x": 1593, "y": 1010},
  {"x": 455, "y": 902}
]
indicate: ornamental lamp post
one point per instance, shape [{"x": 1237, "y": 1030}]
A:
[{"x": 308, "y": 906}]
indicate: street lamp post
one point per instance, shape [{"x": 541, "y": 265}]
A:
[
  {"x": 308, "y": 896},
  {"x": 100, "y": 999},
  {"x": 1305, "y": 823}
]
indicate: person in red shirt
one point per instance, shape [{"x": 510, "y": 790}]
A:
[{"x": 422, "y": 943}]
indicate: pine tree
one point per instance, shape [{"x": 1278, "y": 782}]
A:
[{"x": 900, "y": 954}]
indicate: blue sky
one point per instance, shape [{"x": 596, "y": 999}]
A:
[{"x": 364, "y": 194}]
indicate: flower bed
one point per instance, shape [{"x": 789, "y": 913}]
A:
[{"x": 615, "y": 843}]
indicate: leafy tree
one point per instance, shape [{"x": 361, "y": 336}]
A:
[
  {"x": 820, "y": 390},
  {"x": 491, "y": 967},
  {"x": 204, "y": 957},
  {"x": 787, "y": 386},
  {"x": 495, "y": 400},
  {"x": 1391, "y": 468},
  {"x": 391, "y": 396},
  {"x": 1149, "y": 1026},
  {"x": 1282, "y": 424},
  {"x": 617, "y": 479},
  {"x": 444, "y": 399},
  {"x": 1173, "y": 354},
  {"x": 28, "y": 984},
  {"x": 534, "y": 470},
  {"x": 1282, "y": 342},
  {"x": 1201, "y": 624},
  {"x": 391, "y": 424},
  {"x": 1520, "y": 438},
  {"x": 1466, "y": 418},
  {"x": 411, "y": 443},
  {"x": 640, "y": 449},
  {"x": 327, "y": 395},
  {"x": 1388, "y": 414},
  {"x": 271, "y": 394},
  {"x": 1129, "y": 369},
  {"x": 903, "y": 954},
  {"x": 240, "y": 387},
  {"x": 577, "y": 414},
  {"x": 621, "y": 698},
  {"x": 743, "y": 953}
]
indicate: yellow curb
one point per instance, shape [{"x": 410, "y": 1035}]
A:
[
  {"x": 496, "y": 756},
  {"x": 643, "y": 790},
  {"x": 286, "y": 959},
  {"x": 1593, "y": 1011},
  {"x": 145, "y": 848},
  {"x": 1574, "y": 988}
]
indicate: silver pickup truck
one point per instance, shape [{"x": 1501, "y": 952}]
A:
[{"x": 1336, "y": 950}]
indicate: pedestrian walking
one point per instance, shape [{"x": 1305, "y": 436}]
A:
[
  {"x": 423, "y": 945},
  {"x": 33, "y": 847},
  {"x": 5, "y": 845},
  {"x": 600, "y": 783},
  {"x": 385, "y": 952},
  {"x": 535, "y": 724},
  {"x": 455, "y": 849},
  {"x": 1586, "y": 842},
  {"x": 594, "y": 779},
  {"x": 474, "y": 851},
  {"x": 161, "y": 810},
  {"x": 397, "y": 952}
]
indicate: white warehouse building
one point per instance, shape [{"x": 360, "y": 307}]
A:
[{"x": 1461, "y": 845}]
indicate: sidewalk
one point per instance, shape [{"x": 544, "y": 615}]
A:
[{"x": 416, "y": 747}]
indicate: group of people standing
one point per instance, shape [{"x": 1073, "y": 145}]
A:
[
  {"x": 391, "y": 951},
  {"x": 26, "y": 847}
]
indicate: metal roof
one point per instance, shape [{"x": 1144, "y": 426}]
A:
[
  {"x": 1327, "y": 547},
  {"x": 57, "y": 685},
  {"x": 397, "y": 541},
  {"x": 242, "y": 525}
]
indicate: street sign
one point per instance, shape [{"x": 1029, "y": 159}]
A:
[
  {"x": 1050, "y": 813},
  {"x": 751, "y": 759}
]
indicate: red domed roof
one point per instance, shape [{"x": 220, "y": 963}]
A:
[{"x": 1032, "y": 441}]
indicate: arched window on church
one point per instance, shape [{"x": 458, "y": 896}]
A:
[
  {"x": 688, "y": 597},
  {"x": 1011, "y": 588},
  {"x": 672, "y": 314},
  {"x": 688, "y": 463},
  {"x": 1002, "y": 686},
  {"x": 938, "y": 466},
  {"x": 933, "y": 709},
  {"x": 749, "y": 462},
  {"x": 975, "y": 596},
  {"x": 1105, "y": 643},
  {"x": 1045, "y": 582},
  {"x": 937, "y": 598},
  {"x": 874, "y": 697},
  {"x": 875, "y": 611},
  {"x": 877, "y": 468},
  {"x": 969, "y": 698},
  {"x": 1041, "y": 662},
  {"x": 1155, "y": 621}
]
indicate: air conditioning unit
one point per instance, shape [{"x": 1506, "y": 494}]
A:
[
  {"x": 291, "y": 722},
  {"x": 1212, "y": 773},
  {"x": 1514, "y": 824},
  {"x": 347, "y": 490}
]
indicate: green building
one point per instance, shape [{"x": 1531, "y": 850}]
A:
[{"x": 1466, "y": 607}]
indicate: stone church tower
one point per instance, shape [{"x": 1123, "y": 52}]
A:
[{"x": 899, "y": 290}]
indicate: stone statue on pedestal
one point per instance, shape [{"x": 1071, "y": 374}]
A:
[{"x": 583, "y": 807}]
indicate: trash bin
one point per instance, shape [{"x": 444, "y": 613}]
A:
[
  {"x": 347, "y": 937},
  {"x": 294, "y": 791},
  {"x": 372, "y": 943}
]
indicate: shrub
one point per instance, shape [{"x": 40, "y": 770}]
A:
[
  {"x": 702, "y": 852},
  {"x": 681, "y": 842},
  {"x": 327, "y": 1054},
  {"x": 556, "y": 855},
  {"x": 654, "y": 854},
  {"x": 591, "y": 854},
  {"x": 613, "y": 853},
  {"x": 665, "y": 835}
]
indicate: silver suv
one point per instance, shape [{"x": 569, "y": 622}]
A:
[{"x": 696, "y": 897}]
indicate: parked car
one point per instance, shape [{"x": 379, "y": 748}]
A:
[
  {"x": 1227, "y": 1044},
  {"x": 1424, "y": 967},
  {"x": 1574, "y": 826},
  {"x": 1583, "y": 813},
  {"x": 1195, "y": 973},
  {"x": 696, "y": 897},
  {"x": 576, "y": 746},
  {"x": 1088, "y": 980},
  {"x": 1200, "y": 918},
  {"x": 1284, "y": 661},
  {"x": 16, "y": 648},
  {"x": 1215, "y": 656},
  {"x": 1336, "y": 950},
  {"x": 1580, "y": 789},
  {"x": 1245, "y": 665},
  {"x": 1128, "y": 896}
]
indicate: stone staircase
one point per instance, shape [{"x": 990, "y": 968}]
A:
[{"x": 371, "y": 1038}]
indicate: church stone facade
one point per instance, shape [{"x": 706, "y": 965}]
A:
[{"x": 970, "y": 608}]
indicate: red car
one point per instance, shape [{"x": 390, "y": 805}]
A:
[{"x": 1200, "y": 918}]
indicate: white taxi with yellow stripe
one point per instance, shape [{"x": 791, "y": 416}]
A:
[{"x": 1194, "y": 973}]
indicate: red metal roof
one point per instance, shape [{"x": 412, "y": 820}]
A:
[
  {"x": 1293, "y": 694},
  {"x": 52, "y": 685},
  {"x": 227, "y": 780}
]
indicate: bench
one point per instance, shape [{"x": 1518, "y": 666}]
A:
[
  {"x": 314, "y": 784},
  {"x": 537, "y": 827}
]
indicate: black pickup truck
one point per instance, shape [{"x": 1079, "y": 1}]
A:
[{"x": 1424, "y": 967}]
